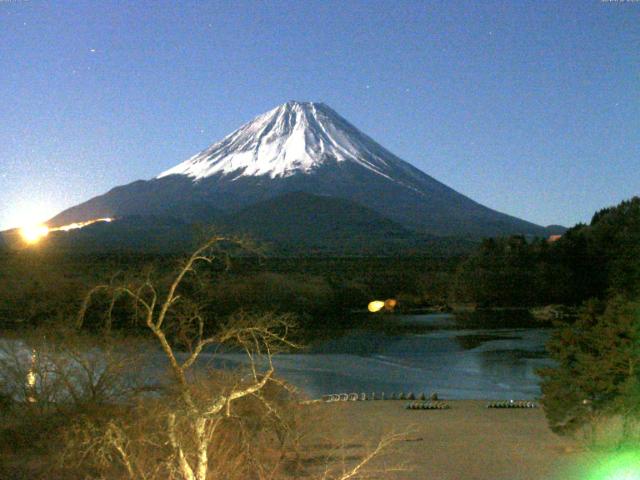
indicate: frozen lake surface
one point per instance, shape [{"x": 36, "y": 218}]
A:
[
  {"x": 404, "y": 353},
  {"x": 457, "y": 363}
]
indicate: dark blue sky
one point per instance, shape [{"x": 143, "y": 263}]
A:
[{"x": 529, "y": 107}]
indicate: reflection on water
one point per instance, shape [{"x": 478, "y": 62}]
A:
[
  {"x": 407, "y": 353},
  {"x": 437, "y": 354},
  {"x": 470, "y": 341}
]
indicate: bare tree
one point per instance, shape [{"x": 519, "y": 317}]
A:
[
  {"x": 362, "y": 467},
  {"x": 193, "y": 421},
  {"x": 54, "y": 367},
  {"x": 202, "y": 428}
]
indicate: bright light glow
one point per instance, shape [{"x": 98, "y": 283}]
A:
[
  {"x": 616, "y": 466},
  {"x": 25, "y": 212},
  {"x": 32, "y": 234},
  {"x": 31, "y": 378},
  {"x": 375, "y": 306},
  {"x": 73, "y": 226},
  {"x": 30, "y": 217},
  {"x": 621, "y": 467}
]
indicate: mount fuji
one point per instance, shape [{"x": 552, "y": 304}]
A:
[{"x": 307, "y": 148}]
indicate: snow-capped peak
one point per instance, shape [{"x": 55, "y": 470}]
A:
[{"x": 294, "y": 137}]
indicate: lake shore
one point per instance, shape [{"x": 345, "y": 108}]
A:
[{"x": 467, "y": 441}]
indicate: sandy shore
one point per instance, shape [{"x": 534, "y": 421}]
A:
[{"x": 468, "y": 441}]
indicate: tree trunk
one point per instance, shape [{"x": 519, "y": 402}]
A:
[
  {"x": 203, "y": 446},
  {"x": 183, "y": 465}
]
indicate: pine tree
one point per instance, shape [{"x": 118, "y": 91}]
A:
[{"x": 598, "y": 366}]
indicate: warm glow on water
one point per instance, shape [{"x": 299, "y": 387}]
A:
[
  {"x": 31, "y": 378},
  {"x": 375, "y": 306},
  {"x": 378, "y": 305},
  {"x": 390, "y": 303}
]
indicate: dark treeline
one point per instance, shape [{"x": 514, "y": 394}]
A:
[
  {"x": 39, "y": 286},
  {"x": 594, "y": 388},
  {"x": 588, "y": 261}
]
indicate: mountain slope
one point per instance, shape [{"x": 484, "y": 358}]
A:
[
  {"x": 298, "y": 220},
  {"x": 302, "y": 147},
  {"x": 295, "y": 223}
]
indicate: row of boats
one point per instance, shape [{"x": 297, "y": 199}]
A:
[
  {"x": 353, "y": 397},
  {"x": 513, "y": 404},
  {"x": 428, "y": 405},
  {"x": 421, "y": 402}
]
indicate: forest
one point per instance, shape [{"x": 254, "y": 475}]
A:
[{"x": 588, "y": 261}]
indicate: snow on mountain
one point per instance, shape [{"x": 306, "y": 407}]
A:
[
  {"x": 300, "y": 147},
  {"x": 292, "y": 138}
]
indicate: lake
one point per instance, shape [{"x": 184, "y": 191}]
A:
[
  {"x": 423, "y": 353},
  {"x": 490, "y": 355}
]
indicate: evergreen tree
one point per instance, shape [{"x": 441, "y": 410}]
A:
[
  {"x": 588, "y": 261},
  {"x": 598, "y": 366},
  {"x": 501, "y": 273}
]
